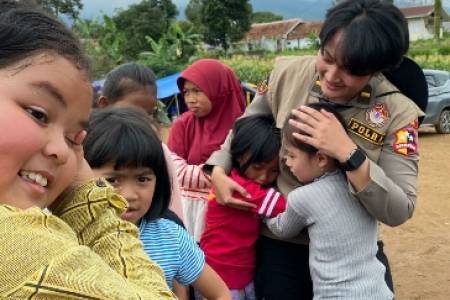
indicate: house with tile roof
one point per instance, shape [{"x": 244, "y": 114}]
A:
[
  {"x": 421, "y": 21},
  {"x": 279, "y": 35}
]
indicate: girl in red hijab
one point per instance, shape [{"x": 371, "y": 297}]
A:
[{"x": 215, "y": 99}]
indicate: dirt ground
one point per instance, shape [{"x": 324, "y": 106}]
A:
[{"x": 419, "y": 250}]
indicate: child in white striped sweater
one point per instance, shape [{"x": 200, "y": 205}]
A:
[{"x": 343, "y": 236}]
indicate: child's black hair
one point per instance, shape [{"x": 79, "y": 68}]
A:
[
  {"x": 125, "y": 79},
  {"x": 288, "y": 129},
  {"x": 124, "y": 136},
  {"x": 256, "y": 139},
  {"x": 374, "y": 35},
  {"x": 26, "y": 31}
]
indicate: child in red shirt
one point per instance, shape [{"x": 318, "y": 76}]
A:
[{"x": 230, "y": 234}]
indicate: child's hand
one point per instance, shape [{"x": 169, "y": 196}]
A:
[{"x": 224, "y": 189}]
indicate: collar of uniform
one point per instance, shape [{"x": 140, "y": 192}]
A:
[{"x": 362, "y": 100}]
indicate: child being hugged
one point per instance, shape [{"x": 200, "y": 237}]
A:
[
  {"x": 122, "y": 146},
  {"x": 343, "y": 236},
  {"x": 230, "y": 234}
]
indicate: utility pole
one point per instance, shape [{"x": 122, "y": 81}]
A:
[{"x": 437, "y": 19}]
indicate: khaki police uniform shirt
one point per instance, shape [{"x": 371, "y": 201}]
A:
[{"x": 380, "y": 120}]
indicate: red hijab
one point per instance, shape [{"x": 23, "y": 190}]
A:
[{"x": 193, "y": 138}]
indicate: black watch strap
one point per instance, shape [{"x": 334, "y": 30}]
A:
[{"x": 354, "y": 161}]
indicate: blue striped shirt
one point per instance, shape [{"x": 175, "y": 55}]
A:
[{"x": 173, "y": 249}]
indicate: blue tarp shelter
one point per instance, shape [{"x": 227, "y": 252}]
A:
[{"x": 166, "y": 86}]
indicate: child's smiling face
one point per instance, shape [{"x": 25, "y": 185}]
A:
[{"x": 43, "y": 115}]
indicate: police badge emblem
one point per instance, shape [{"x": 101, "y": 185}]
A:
[{"x": 377, "y": 115}]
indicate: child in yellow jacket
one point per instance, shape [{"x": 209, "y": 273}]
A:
[{"x": 82, "y": 250}]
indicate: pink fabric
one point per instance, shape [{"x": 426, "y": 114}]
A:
[
  {"x": 230, "y": 234},
  {"x": 175, "y": 200},
  {"x": 195, "y": 139}
]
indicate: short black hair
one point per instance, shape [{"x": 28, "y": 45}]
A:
[
  {"x": 255, "y": 137},
  {"x": 125, "y": 137},
  {"x": 288, "y": 129},
  {"x": 27, "y": 31},
  {"x": 127, "y": 78},
  {"x": 374, "y": 35}
]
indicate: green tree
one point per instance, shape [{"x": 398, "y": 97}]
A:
[
  {"x": 103, "y": 42},
  {"x": 225, "y": 21},
  {"x": 193, "y": 12},
  {"x": 70, "y": 8},
  {"x": 265, "y": 17},
  {"x": 172, "y": 51},
  {"x": 147, "y": 18}
]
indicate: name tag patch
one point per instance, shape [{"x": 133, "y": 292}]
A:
[
  {"x": 366, "y": 132},
  {"x": 405, "y": 141}
]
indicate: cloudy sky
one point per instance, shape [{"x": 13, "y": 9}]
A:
[{"x": 305, "y": 9}]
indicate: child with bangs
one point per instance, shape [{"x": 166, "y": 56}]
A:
[
  {"x": 122, "y": 146},
  {"x": 230, "y": 234}
]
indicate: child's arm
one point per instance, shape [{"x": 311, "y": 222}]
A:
[
  {"x": 181, "y": 291},
  {"x": 289, "y": 223},
  {"x": 41, "y": 257},
  {"x": 196, "y": 272},
  {"x": 190, "y": 176},
  {"x": 93, "y": 212},
  {"x": 211, "y": 286},
  {"x": 270, "y": 203}
]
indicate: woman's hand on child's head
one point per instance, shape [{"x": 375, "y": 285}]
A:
[
  {"x": 225, "y": 187},
  {"x": 323, "y": 131}
]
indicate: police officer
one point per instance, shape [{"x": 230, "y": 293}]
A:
[{"x": 378, "y": 150}]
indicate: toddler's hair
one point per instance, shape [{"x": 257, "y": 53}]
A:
[
  {"x": 125, "y": 79},
  {"x": 288, "y": 129},
  {"x": 256, "y": 139},
  {"x": 124, "y": 137}
]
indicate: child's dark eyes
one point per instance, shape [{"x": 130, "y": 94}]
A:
[
  {"x": 37, "y": 114},
  {"x": 113, "y": 180},
  {"x": 145, "y": 178}
]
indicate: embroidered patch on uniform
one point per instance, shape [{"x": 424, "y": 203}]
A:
[
  {"x": 405, "y": 141},
  {"x": 377, "y": 115},
  {"x": 366, "y": 132},
  {"x": 262, "y": 88}
]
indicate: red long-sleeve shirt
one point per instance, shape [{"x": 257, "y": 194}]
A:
[{"x": 230, "y": 234}]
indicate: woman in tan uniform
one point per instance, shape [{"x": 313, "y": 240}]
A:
[{"x": 359, "y": 40}]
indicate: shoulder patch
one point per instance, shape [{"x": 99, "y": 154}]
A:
[
  {"x": 377, "y": 115},
  {"x": 366, "y": 132},
  {"x": 405, "y": 142}
]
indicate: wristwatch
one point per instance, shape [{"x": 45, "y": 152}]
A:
[{"x": 354, "y": 161}]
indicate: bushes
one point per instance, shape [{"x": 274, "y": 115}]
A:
[{"x": 250, "y": 69}]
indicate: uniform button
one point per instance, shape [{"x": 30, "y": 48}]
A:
[{"x": 100, "y": 183}]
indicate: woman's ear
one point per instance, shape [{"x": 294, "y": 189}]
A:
[{"x": 102, "y": 102}]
